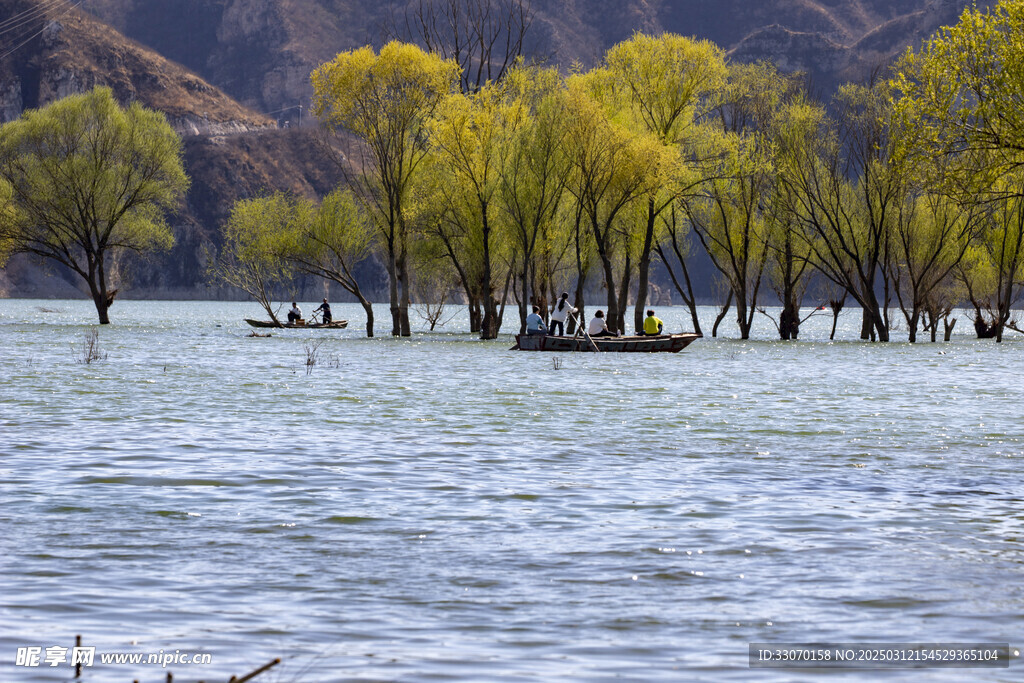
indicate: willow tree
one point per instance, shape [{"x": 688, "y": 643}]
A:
[
  {"x": 385, "y": 100},
  {"x": 847, "y": 186},
  {"x": 471, "y": 137},
  {"x": 88, "y": 181},
  {"x": 612, "y": 168},
  {"x": 992, "y": 271},
  {"x": 329, "y": 241},
  {"x": 961, "y": 94},
  {"x": 665, "y": 84},
  {"x": 927, "y": 247},
  {"x": 255, "y": 238},
  {"x": 733, "y": 211},
  {"x": 532, "y": 180}
]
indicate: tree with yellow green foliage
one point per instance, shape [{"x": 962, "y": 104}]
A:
[
  {"x": 665, "y": 85},
  {"x": 385, "y": 100},
  {"x": 732, "y": 213},
  {"x": 928, "y": 243},
  {"x": 992, "y": 271},
  {"x": 959, "y": 97},
  {"x": 87, "y": 181},
  {"x": 612, "y": 168},
  {"x": 471, "y": 137},
  {"x": 256, "y": 237},
  {"x": 532, "y": 183},
  {"x": 329, "y": 241},
  {"x": 847, "y": 188}
]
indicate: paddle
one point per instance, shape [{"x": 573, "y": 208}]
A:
[{"x": 580, "y": 328}]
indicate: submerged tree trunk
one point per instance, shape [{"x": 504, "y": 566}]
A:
[
  {"x": 368, "y": 307},
  {"x": 721, "y": 314},
  {"x": 644, "y": 268},
  {"x": 396, "y": 317}
]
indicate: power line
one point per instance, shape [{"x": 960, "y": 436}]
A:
[
  {"x": 31, "y": 13},
  {"x": 35, "y": 35}
]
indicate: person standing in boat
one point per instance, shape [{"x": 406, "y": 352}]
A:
[
  {"x": 599, "y": 328},
  {"x": 326, "y": 308},
  {"x": 559, "y": 313},
  {"x": 295, "y": 314},
  {"x": 652, "y": 326},
  {"x": 534, "y": 323}
]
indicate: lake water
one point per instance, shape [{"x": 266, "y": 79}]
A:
[{"x": 440, "y": 508}]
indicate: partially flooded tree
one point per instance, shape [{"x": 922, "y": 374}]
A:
[
  {"x": 385, "y": 100},
  {"x": 612, "y": 168},
  {"x": 329, "y": 240},
  {"x": 255, "y": 239},
  {"x": 532, "y": 181},
  {"x": 471, "y": 137},
  {"x": 87, "y": 180},
  {"x": 961, "y": 95},
  {"x": 927, "y": 246},
  {"x": 664, "y": 85},
  {"x": 846, "y": 188},
  {"x": 992, "y": 270},
  {"x": 732, "y": 212}
]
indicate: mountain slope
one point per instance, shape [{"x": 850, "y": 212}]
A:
[{"x": 262, "y": 51}]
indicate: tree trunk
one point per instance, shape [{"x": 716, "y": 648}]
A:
[
  {"x": 948, "y": 325},
  {"x": 643, "y": 275},
  {"x": 623, "y": 300},
  {"x": 403, "y": 266},
  {"x": 475, "y": 315},
  {"x": 867, "y": 325},
  {"x": 98, "y": 287},
  {"x": 742, "y": 319},
  {"x": 368, "y": 307},
  {"x": 721, "y": 314},
  {"x": 915, "y": 318},
  {"x": 396, "y": 317}
]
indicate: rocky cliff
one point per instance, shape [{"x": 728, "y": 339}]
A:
[
  {"x": 228, "y": 72},
  {"x": 262, "y": 51}
]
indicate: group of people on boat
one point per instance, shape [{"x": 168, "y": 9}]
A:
[
  {"x": 598, "y": 326},
  {"x": 295, "y": 314}
]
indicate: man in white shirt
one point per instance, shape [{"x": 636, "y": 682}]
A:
[{"x": 295, "y": 314}]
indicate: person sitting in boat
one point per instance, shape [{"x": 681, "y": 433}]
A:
[
  {"x": 652, "y": 326},
  {"x": 558, "y": 314},
  {"x": 599, "y": 328},
  {"x": 295, "y": 314},
  {"x": 326, "y": 308},
  {"x": 534, "y": 323}
]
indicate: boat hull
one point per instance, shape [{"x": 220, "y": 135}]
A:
[
  {"x": 664, "y": 343},
  {"x": 334, "y": 325}
]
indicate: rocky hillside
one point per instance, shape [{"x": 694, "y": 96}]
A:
[
  {"x": 230, "y": 151},
  {"x": 54, "y": 51},
  {"x": 261, "y": 51},
  {"x": 228, "y": 72}
]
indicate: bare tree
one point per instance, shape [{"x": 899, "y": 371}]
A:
[{"x": 485, "y": 37}]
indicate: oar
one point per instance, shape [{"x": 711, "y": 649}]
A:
[{"x": 580, "y": 328}]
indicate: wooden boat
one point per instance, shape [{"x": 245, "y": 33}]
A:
[
  {"x": 300, "y": 325},
  {"x": 670, "y": 343}
]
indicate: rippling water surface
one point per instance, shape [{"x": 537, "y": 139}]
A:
[{"x": 441, "y": 508}]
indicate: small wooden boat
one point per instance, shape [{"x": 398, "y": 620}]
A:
[
  {"x": 669, "y": 343},
  {"x": 300, "y": 325}
]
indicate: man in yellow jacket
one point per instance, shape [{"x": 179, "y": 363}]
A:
[{"x": 652, "y": 326}]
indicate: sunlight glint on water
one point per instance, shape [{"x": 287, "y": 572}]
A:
[{"x": 442, "y": 507}]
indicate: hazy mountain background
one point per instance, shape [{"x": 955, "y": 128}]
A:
[{"x": 230, "y": 74}]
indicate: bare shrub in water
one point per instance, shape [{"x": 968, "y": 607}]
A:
[
  {"x": 89, "y": 350},
  {"x": 313, "y": 356}
]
